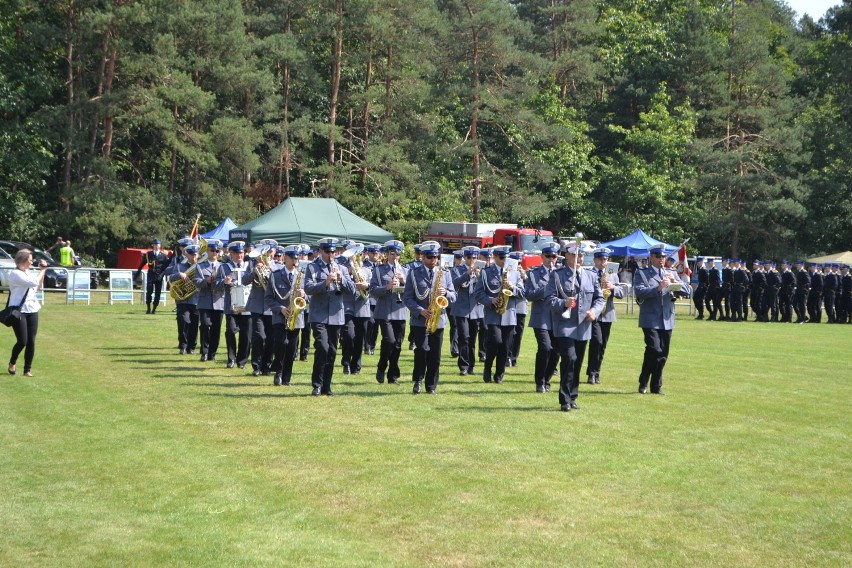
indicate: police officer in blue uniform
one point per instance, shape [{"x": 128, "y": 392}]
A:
[
  {"x": 701, "y": 289},
  {"x": 522, "y": 307},
  {"x": 421, "y": 288},
  {"x": 575, "y": 300},
  {"x": 611, "y": 288},
  {"x": 370, "y": 263},
  {"x": 279, "y": 297},
  {"x": 655, "y": 296},
  {"x": 237, "y": 322},
  {"x": 714, "y": 288},
  {"x": 788, "y": 290},
  {"x": 157, "y": 262},
  {"x": 831, "y": 283},
  {"x": 458, "y": 260},
  {"x": 261, "y": 318},
  {"x": 211, "y": 302},
  {"x": 325, "y": 283},
  {"x": 358, "y": 313},
  {"x": 495, "y": 281},
  {"x": 467, "y": 311},
  {"x": 391, "y": 314},
  {"x": 758, "y": 290},
  {"x": 815, "y": 295},
  {"x": 803, "y": 287},
  {"x": 844, "y": 302},
  {"x": 541, "y": 317},
  {"x": 187, "y": 309}
]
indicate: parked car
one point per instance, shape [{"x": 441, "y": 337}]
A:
[
  {"x": 7, "y": 263},
  {"x": 56, "y": 275}
]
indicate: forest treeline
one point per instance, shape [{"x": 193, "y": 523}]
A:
[{"x": 728, "y": 122}]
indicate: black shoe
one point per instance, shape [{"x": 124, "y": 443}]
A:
[
  {"x": 591, "y": 380},
  {"x": 316, "y": 392},
  {"x": 153, "y": 310},
  {"x": 498, "y": 379},
  {"x": 643, "y": 389},
  {"x": 411, "y": 347},
  {"x": 285, "y": 382},
  {"x": 393, "y": 380},
  {"x": 430, "y": 391},
  {"x": 482, "y": 359},
  {"x": 486, "y": 377},
  {"x": 462, "y": 372},
  {"x": 277, "y": 380},
  {"x": 539, "y": 388},
  {"x": 241, "y": 366},
  {"x": 303, "y": 358},
  {"x": 266, "y": 373},
  {"x": 346, "y": 370},
  {"x": 699, "y": 317},
  {"x": 183, "y": 351},
  {"x": 658, "y": 392},
  {"x": 203, "y": 358},
  {"x": 574, "y": 406},
  {"x": 255, "y": 373},
  {"x": 148, "y": 311},
  {"x": 597, "y": 380},
  {"x": 453, "y": 355},
  {"x": 211, "y": 358},
  {"x": 380, "y": 377},
  {"x": 328, "y": 393},
  {"x": 546, "y": 388},
  {"x": 190, "y": 351},
  {"x": 565, "y": 408},
  {"x": 417, "y": 387}
]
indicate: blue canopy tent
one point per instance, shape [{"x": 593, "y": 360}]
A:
[
  {"x": 635, "y": 244},
  {"x": 222, "y": 232}
]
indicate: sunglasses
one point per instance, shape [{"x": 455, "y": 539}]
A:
[
  {"x": 656, "y": 255},
  {"x": 550, "y": 256},
  {"x": 430, "y": 255}
]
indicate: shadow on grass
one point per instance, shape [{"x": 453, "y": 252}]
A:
[
  {"x": 140, "y": 347},
  {"x": 290, "y": 392}
]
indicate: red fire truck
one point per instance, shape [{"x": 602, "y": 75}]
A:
[{"x": 454, "y": 236}]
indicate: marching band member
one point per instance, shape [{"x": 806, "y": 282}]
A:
[
  {"x": 458, "y": 260},
  {"x": 157, "y": 261},
  {"x": 422, "y": 286},
  {"x": 482, "y": 345},
  {"x": 575, "y": 301},
  {"x": 187, "y": 311},
  {"x": 257, "y": 274},
  {"x": 370, "y": 263},
  {"x": 357, "y": 309},
  {"x": 611, "y": 288},
  {"x": 803, "y": 286},
  {"x": 520, "y": 314},
  {"x": 307, "y": 254},
  {"x": 281, "y": 291},
  {"x": 211, "y": 302},
  {"x": 541, "y": 317},
  {"x": 651, "y": 287},
  {"x": 326, "y": 283},
  {"x": 230, "y": 273},
  {"x": 390, "y": 314},
  {"x": 497, "y": 286},
  {"x": 467, "y": 312}
]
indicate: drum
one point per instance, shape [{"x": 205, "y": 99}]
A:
[{"x": 239, "y": 298}]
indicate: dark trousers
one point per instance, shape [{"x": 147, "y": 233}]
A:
[
  {"x": 187, "y": 326},
  {"x": 745, "y": 303},
  {"x": 709, "y": 297},
  {"x": 454, "y": 336},
  {"x": 698, "y": 299},
  {"x": 519, "y": 337},
  {"x": 572, "y": 352},
  {"x": 352, "y": 342},
  {"x": 427, "y": 356},
  {"x": 26, "y": 330},
  {"x": 238, "y": 324},
  {"x": 261, "y": 342},
  {"x": 828, "y": 301},
  {"x": 657, "y": 343},
  {"x": 325, "y": 352},
  {"x": 715, "y": 303},
  {"x": 284, "y": 344},
  {"x": 726, "y": 300},
  {"x": 799, "y": 306},
  {"x": 770, "y": 307},
  {"x": 211, "y": 332},
  {"x": 483, "y": 339},
  {"x": 815, "y": 306},
  {"x": 153, "y": 289},
  {"x": 305, "y": 340},
  {"x": 597, "y": 347},
  {"x": 785, "y": 306},
  {"x": 757, "y": 303},
  {"x": 372, "y": 333},
  {"x": 499, "y": 342},
  {"x": 393, "y": 334},
  {"x": 546, "y": 358},
  {"x": 467, "y": 329},
  {"x": 736, "y": 303}
]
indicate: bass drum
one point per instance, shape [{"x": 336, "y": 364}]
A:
[{"x": 239, "y": 298}]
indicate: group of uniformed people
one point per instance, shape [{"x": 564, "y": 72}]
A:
[
  {"x": 344, "y": 300},
  {"x": 726, "y": 293}
]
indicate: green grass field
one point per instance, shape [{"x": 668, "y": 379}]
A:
[{"x": 120, "y": 452}]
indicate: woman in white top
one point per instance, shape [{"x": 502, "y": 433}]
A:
[{"x": 22, "y": 291}]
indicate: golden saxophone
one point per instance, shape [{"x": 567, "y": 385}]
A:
[
  {"x": 503, "y": 295},
  {"x": 296, "y": 304},
  {"x": 604, "y": 281},
  {"x": 437, "y": 304}
]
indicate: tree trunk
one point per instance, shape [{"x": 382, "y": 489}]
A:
[
  {"x": 476, "y": 190},
  {"x": 368, "y": 80},
  {"x": 65, "y": 200},
  {"x": 108, "y": 119},
  {"x": 336, "y": 70}
]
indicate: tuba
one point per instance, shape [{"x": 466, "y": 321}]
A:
[
  {"x": 437, "y": 304},
  {"x": 261, "y": 267},
  {"x": 358, "y": 273},
  {"x": 184, "y": 289},
  {"x": 503, "y": 295},
  {"x": 296, "y": 304}
]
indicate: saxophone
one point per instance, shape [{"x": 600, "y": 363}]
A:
[
  {"x": 503, "y": 295},
  {"x": 436, "y": 304},
  {"x": 296, "y": 304},
  {"x": 606, "y": 293}
]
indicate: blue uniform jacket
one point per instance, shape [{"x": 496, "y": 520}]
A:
[
  {"x": 587, "y": 290},
  {"x": 418, "y": 283},
  {"x": 535, "y": 290},
  {"x": 465, "y": 305},
  {"x": 209, "y": 297},
  {"x": 486, "y": 288},
  {"x": 656, "y": 309},
  {"x": 608, "y": 314},
  {"x": 225, "y": 270},
  {"x": 389, "y": 305},
  {"x": 326, "y": 303}
]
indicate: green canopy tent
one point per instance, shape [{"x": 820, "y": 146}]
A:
[{"x": 306, "y": 220}]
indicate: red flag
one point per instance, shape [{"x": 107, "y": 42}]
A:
[
  {"x": 194, "y": 233},
  {"x": 682, "y": 264}
]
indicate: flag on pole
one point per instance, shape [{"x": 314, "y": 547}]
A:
[
  {"x": 194, "y": 233},
  {"x": 682, "y": 265}
]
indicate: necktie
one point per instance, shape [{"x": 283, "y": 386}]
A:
[
  {"x": 429, "y": 275},
  {"x": 290, "y": 277}
]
